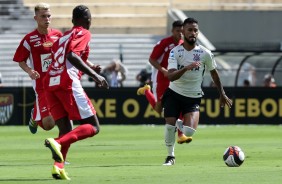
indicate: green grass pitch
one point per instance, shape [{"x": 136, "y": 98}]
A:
[{"x": 134, "y": 154}]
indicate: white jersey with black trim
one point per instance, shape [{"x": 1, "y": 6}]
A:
[{"x": 189, "y": 84}]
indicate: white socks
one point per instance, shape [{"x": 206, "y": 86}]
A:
[
  {"x": 188, "y": 131},
  {"x": 170, "y": 139}
]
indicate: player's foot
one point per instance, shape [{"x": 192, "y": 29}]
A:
[
  {"x": 170, "y": 160},
  {"x": 67, "y": 163},
  {"x": 141, "y": 91},
  {"x": 55, "y": 149},
  {"x": 59, "y": 174},
  {"x": 32, "y": 125},
  {"x": 183, "y": 139}
]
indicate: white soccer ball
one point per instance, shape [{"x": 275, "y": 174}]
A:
[{"x": 233, "y": 156}]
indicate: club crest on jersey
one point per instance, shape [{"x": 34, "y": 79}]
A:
[
  {"x": 196, "y": 57},
  {"x": 6, "y": 107},
  {"x": 47, "y": 44},
  {"x": 37, "y": 44}
]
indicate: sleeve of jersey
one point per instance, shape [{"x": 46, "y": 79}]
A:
[
  {"x": 23, "y": 51},
  {"x": 210, "y": 61},
  {"x": 80, "y": 42},
  {"x": 157, "y": 51},
  {"x": 172, "y": 61}
]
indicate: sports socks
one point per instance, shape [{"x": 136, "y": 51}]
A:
[
  {"x": 188, "y": 131},
  {"x": 170, "y": 139},
  {"x": 150, "y": 97},
  {"x": 79, "y": 133}
]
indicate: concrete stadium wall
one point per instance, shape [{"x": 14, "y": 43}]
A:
[{"x": 229, "y": 29}]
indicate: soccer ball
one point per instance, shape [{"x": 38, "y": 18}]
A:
[{"x": 233, "y": 156}]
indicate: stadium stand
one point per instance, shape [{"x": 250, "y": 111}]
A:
[
  {"x": 128, "y": 26},
  {"x": 135, "y": 48}
]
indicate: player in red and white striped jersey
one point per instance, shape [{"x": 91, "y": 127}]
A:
[
  {"x": 66, "y": 97},
  {"x": 36, "y": 46}
]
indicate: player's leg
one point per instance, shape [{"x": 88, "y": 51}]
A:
[
  {"x": 171, "y": 111},
  {"x": 58, "y": 151},
  {"x": 58, "y": 171},
  {"x": 190, "y": 123},
  {"x": 32, "y": 124},
  {"x": 48, "y": 122},
  {"x": 78, "y": 107},
  {"x": 191, "y": 116},
  {"x": 146, "y": 90}
]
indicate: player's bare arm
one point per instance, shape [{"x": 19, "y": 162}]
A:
[
  {"x": 174, "y": 74},
  {"x": 156, "y": 65},
  {"x": 32, "y": 73},
  {"x": 76, "y": 61},
  {"x": 223, "y": 98},
  {"x": 96, "y": 68}
]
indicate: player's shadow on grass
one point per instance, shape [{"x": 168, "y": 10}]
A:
[
  {"x": 24, "y": 180},
  {"x": 87, "y": 166}
]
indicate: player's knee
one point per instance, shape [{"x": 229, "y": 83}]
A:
[
  {"x": 188, "y": 131},
  {"x": 48, "y": 124}
]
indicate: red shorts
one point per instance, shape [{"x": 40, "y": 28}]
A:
[
  {"x": 72, "y": 103},
  {"x": 41, "y": 109},
  {"x": 159, "y": 89}
]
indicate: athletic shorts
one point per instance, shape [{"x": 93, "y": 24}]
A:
[
  {"x": 72, "y": 103},
  {"x": 159, "y": 89},
  {"x": 41, "y": 109},
  {"x": 174, "y": 104}
]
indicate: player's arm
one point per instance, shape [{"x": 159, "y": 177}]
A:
[
  {"x": 223, "y": 98},
  {"x": 174, "y": 74},
  {"x": 77, "y": 62},
  {"x": 96, "y": 68},
  {"x": 156, "y": 65},
  {"x": 32, "y": 73}
]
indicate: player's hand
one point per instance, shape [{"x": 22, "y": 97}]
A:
[
  {"x": 193, "y": 65},
  {"x": 34, "y": 74},
  {"x": 96, "y": 68},
  {"x": 224, "y": 100},
  {"x": 102, "y": 83}
]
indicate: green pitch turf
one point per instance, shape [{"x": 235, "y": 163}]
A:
[{"x": 134, "y": 155}]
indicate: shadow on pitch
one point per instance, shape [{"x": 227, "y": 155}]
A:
[
  {"x": 87, "y": 166},
  {"x": 19, "y": 180}
]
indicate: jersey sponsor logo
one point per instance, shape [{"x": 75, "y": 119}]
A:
[
  {"x": 198, "y": 51},
  {"x": 46, "y": 60},
  {"x": 33, "y": 36},
  {"x": 171, "y": 54},
  {"x": 54, "y": 81},
  {"x": 48, "y": 44},
  {"x": 34, "y": 40},
  {"x": 37, "y": 44},
  {"x": 6, "y": 107}
]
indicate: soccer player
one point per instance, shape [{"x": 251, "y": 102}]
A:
[
  {"x": 36, "y": 46},
  {"x": 186, "y": 65},
  {"x": 158, "y": 60},
  {"x": 66, "y": 97}
]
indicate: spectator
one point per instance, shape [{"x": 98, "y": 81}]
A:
[
  {"x": 246, "y": 83},
  {"x": 144, "y": 76},
  {"x": 247, "y": 72},
  {"x": 115, "y": 73},
  {"x": 269, "y": 81}
]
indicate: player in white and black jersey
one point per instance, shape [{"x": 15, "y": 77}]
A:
[{"x": 186, "y": 67}]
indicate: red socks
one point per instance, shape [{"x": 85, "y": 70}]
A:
[
  {"x": 79, "y": 133},
  {"x": 150, "y": 97}
]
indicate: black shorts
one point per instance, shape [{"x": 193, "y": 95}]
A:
[{"x": 174, "y": 104}]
